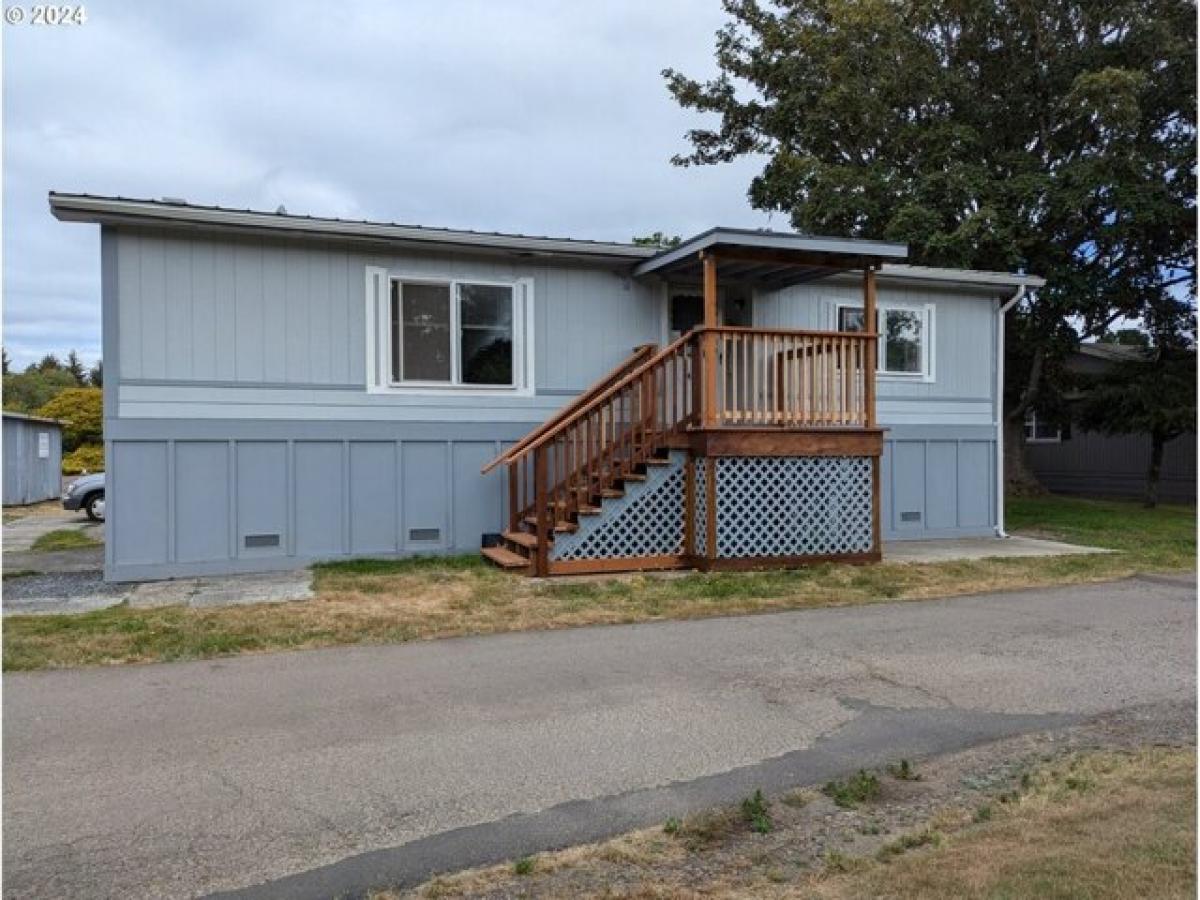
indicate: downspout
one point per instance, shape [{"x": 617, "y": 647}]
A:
[{"x": 1004, "y": 308}]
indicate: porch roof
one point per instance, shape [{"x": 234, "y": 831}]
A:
[{"x": 771, "y": 257}]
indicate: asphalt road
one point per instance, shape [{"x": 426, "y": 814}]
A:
[{"x": 333, "y": 770}]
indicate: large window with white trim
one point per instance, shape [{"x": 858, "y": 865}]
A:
[
  {"x": 448, "y": 334},
  {"x": 905, "y": 338}
]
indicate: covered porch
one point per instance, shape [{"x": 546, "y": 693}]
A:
[{"x": 732, "y": 447}]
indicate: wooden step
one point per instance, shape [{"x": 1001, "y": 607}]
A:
[
  {"x": 524, "y": 538},
  {"x": 611, "y": 493},
  {"x": 505, "y": 559},
  {"x": 655, "y": 461},
  {"x": 590, "y": 510},
  {"x": 633, "y": 476},
  {"x": 560, "y": 527}
]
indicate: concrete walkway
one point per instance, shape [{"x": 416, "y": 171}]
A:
[
  {"x": 980, "y": 548},
  {"x": 170, "y": 781},
  {"x": 20, "y": 533}
]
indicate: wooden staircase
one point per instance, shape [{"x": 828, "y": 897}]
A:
[
  {"x": 587, "y": 454},
  {"x": 748, "y": 393}
]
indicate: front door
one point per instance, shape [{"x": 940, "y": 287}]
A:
[{"x": 685, "y": 309}]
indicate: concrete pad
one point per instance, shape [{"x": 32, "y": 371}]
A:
[
  {"x": 959, "y": 549},
  {"x": 227, "y": 590}
]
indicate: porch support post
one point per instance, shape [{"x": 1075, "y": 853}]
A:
[
  {"x": 709, "y": 342},
  {"x": 872, "y": 355},
  {"x": 541, "y": 566},
  {"x": 871, "y": 325},
  {"x": 709, "y": 262},
  {"x": 710, "y": 509}
]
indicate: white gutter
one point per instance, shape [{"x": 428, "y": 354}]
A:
[{"x": 1013, "y": 301}]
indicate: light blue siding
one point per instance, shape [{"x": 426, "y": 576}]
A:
[
  {"x": 938, "y": 482},
  {"x": 329, "y": 490},
  {"x": 373, "y": 520},
  {"x": 425, "y": 497},
  {"x": 137, "y": 474},
  {"x": 201, "y": 500},
  {"x": 262, "y": 498},
  {"x": 319, "y": 490},
  {"x": 227, "y": 313}
]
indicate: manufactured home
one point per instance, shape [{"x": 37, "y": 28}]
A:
[{"x": 281, "y": 389}]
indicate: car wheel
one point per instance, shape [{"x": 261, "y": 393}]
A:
[{"x": 94, "y": 506}]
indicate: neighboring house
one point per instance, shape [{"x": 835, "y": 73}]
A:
[
  {"x": 32, "y": 459},
  {"x": 1070, "y": 460},
  {"x": 281, "y": 389}
]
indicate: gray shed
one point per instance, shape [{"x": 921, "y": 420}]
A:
[{"x": 32, "y": 459}]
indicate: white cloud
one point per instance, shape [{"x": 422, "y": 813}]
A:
[{"x": 535, "y": 117}]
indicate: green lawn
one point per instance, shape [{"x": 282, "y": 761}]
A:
[
  {"x": 63, "y": 539},
  {"x": 1162, "y": 537},
  {"x": 391, "y": 601}
]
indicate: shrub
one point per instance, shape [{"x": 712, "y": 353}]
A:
[
  {"x": 83, "y": 459},
  {"x": 82, "y": 409}
]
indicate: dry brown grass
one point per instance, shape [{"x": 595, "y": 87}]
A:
[
  {"x": 391, "y": 601},
  {"x": 1104, "y": 825}
]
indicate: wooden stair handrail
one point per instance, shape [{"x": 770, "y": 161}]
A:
[
  {"x": 607, "y": 394},
  {"x": 640, "y": 353}
]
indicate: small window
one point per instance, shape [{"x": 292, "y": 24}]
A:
[
  {"x": 486, "y": 333},
  {"x": 850, "y": 318},
  {"x": 422, "y": 332},
  {"x": 1041, "y": 432},
  {"x": 904, "y": 338}
]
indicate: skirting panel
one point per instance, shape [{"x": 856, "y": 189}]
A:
[
  {"x": 646, "y": 522},
  {"x": 792, "y": 506},
  {"x": 236, "y": 499}
]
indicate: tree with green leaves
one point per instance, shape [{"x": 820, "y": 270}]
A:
[
  {"x": 1051, "y": 136},
  {"x": 95, "y": 375},
  {"x": 82, "y": 409},
  {"x": 660, "y": 240},
  {"x": 74, "y": 365},
  {"x": 29, "y": 390}
]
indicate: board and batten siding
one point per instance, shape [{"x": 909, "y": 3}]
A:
[{"x": 212, "y": 327}]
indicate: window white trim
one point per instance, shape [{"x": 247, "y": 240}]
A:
[
  {"x": 379, "y": 337},
  {"x": 928, "y": 373},
  {"x": 1031, "y": 431}
]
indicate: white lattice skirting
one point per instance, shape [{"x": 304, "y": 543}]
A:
[
  {"x": 647, "y": 521},
  {"x": 792, "y": 506}
]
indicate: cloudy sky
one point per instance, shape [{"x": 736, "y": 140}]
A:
[{"x": 535, "y": 117}]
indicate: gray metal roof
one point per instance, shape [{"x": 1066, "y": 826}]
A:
[
  {"x": 677, "y": 262},
  {"x": 168, "y": 213},
  {"x": 772, "y": 258},
  {"x": 961, "y": 276}
]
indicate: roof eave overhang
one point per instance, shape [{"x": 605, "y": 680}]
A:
[
  {"x": 801, "y": 251},
  {"x": 116, "y": 211}
]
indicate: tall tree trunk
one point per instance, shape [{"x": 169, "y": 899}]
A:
[
  {"x": 1157, "y": 443},
  {"x": 1018, "y": 477}
]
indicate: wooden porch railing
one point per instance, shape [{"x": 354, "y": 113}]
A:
[{"x": 792, "y": 379}]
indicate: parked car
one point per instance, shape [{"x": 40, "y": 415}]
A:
[{"x": 86, "y": 493}]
